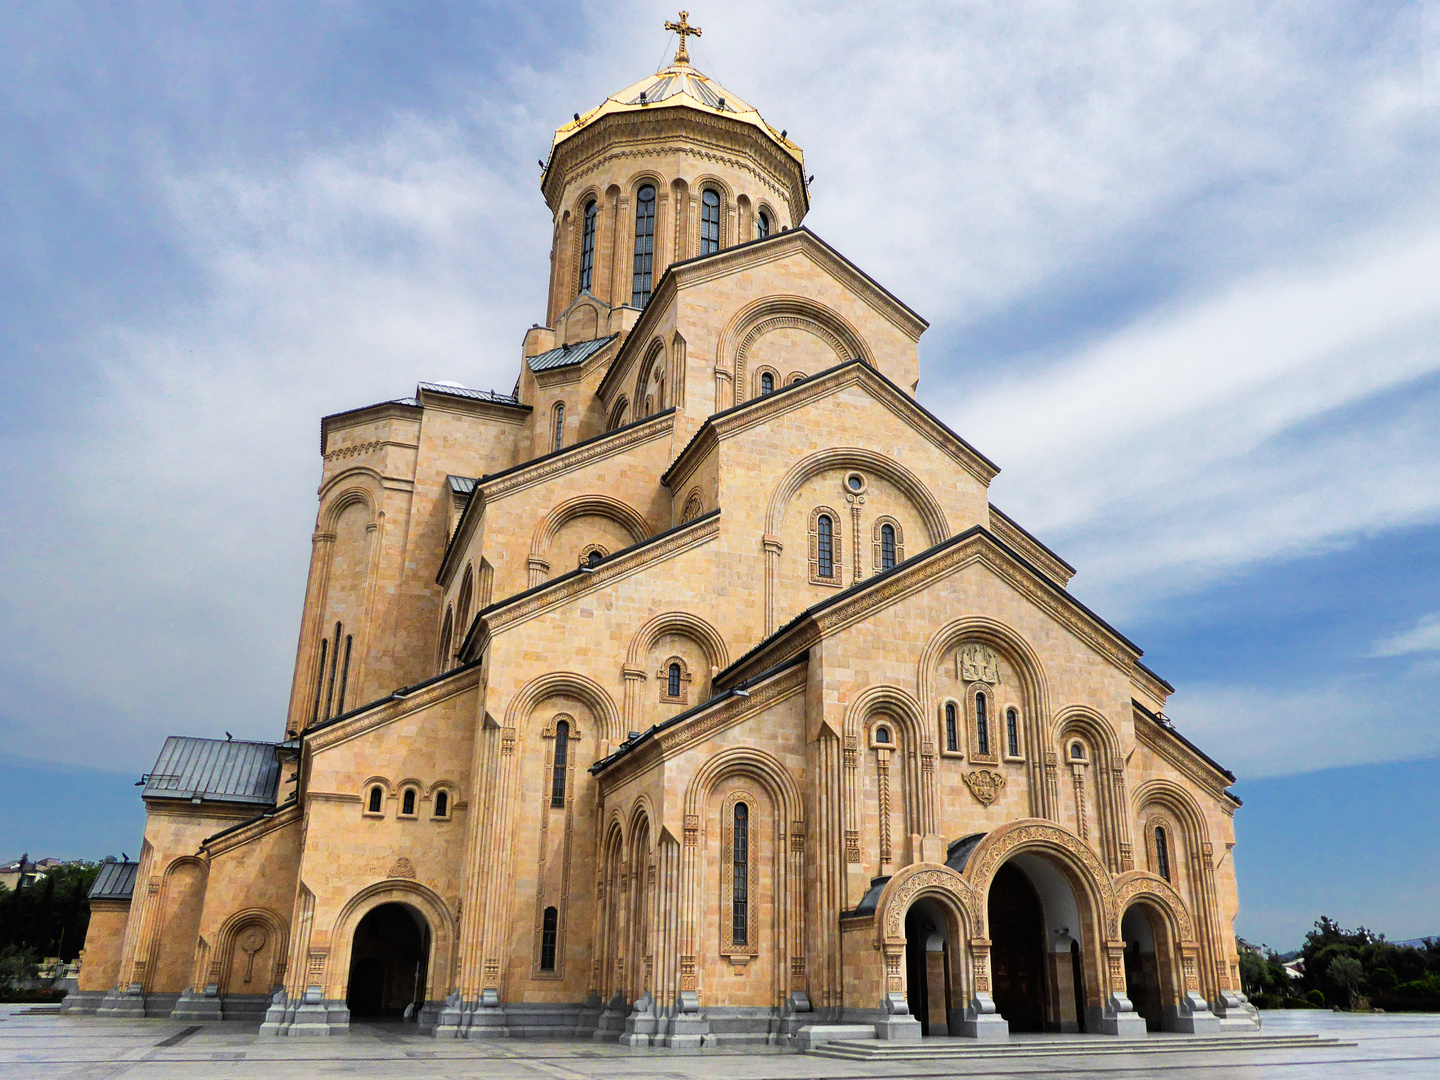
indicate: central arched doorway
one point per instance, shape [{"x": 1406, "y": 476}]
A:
[
  {"x": 1017, "y": 950},
  {"x": 1142, "y": 966},
  {"x": 388, "y": 963},
  {"x": 927, "y": 967}
]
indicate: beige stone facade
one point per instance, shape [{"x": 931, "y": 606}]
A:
[{"x": 694, "y": 692}]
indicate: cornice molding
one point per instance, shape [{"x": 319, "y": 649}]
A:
[
  {"x": 252, "y": 831},
  {"x": 1189, "y": 764},
  {"x": 390, "y": 710},
  {"x": 570, "y": 460}
]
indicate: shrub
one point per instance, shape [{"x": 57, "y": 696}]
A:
[
  {"x": 1316, "y": 998},
  {"x": 1383, "y": 980}
]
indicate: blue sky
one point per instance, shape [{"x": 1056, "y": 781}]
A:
[{"x": 1179, "y": 262}]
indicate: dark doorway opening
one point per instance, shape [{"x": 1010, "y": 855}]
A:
[
  {"x": 1017, "y": 950},
  {"x": 1142, "y": 968},
  {"x": 387, "y": 963},
  {"x": 927, "y": 968},
  {"x": 1077, "y": 975}
]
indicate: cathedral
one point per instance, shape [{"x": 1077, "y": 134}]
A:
[{"x": 691, "y": 694}]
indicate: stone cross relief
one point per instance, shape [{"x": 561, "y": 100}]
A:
[
  {"x": 251, "y": 942},
  {"x": 977, "y": 663}
]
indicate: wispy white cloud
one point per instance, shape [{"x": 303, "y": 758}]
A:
[{"x": 1423, "y": 637}]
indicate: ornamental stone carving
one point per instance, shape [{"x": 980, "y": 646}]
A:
[
  {"x": 937, "y": 880},
  {"x": 978, "y": 664},
  {"x": 984, "y": 785}
]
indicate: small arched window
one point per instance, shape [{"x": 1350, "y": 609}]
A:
[
  {"x": 1162, "y": 853},
  {"x": 1077, "y": 752},
  {"x": 595, "y": 558},
  {"x": 982, "y": 725},
  {"x": 549, "y": 931},
  {"x": 767, "y": 383},
  {"x": 407, "y": 803},
  {"x": 709, "y": 221},
  {"x": 762, "y": 225},
  {"x": 558, "y": 429},
  {"x": 587, "y": 247},
  {"x": 1012, "y": 733},
  {"x": 377, "y": 793},
  {"x": 644, "y": 246},
  {"x": 740, "y": 878},
  {"x": 887, "y": 546},
  {"x": 882, "y": 734},
  {"x": 825, "y": 541},
  {"x": 562, "y": 761},
  {"x": 673, "y": 681},
  {"x": 952, "y": 729},
  {"x": 442, "y": 804}
]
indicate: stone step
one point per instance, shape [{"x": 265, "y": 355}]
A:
[{"x": 927, "y": 1049}]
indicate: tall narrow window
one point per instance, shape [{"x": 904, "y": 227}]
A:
[
  {"x": 320, "y": 682},
  {"x": 740, "y": 879},
  {"x": 1012, "y": 733},
  {"x": 376, "y": 794},
  {"x": 673, "y": 687},
  {"x": 344, "y": 675},
  {"x": 587, "y": 247},
  {"x": 1162, "y": 853},
  {"x": 644, "y": 246},
  {"x": 887, "y": 546},
  {"x": 952, "y": 729},
  {"x": 767, "y": 383},
  {"x": 762, "y": 225},
  {"x": 407, "y": 804},
  {"x": 334, "y": 663},
  {"x": 549, "y": 928},
  {"x": 562, "y": 761},
  {"x": 982, "y": 725},
  {"x": 709, "y": 222},
  {"x": 559, "y": 438},
  {"x": 442, "y": 804},
  {"x": 825, "y": 537}
]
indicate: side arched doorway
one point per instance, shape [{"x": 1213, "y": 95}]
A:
[
  {"x": 388, "y": 962},
  {"x": 1017, "y": 950},
  {"x": 1143, "y": 962},
  {"x": 928, "y": 962}
]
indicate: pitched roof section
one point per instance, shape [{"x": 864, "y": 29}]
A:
[
  {"x": 116, "y": 881},
  {"x": 566, "y": 355},
  {"x": 494, "y": 397},
  {"x": 217, "y": 770}
]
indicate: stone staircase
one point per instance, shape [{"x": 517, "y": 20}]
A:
[{"x": 1064, "y": 1045}]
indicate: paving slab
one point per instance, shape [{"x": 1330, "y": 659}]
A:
[{"x": 59, "y": 1047}]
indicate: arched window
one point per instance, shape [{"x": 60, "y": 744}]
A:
[
  {"x": 549, "y": 929},
  {"x": 740, "y": 879},
  {"x": 344, "y": 676},
  {"x": 562, "y": 760},
  {"x": 882, "y": 734},
  {"x": 767, "y": 383},
  {"x": 587, "y": 247},
  {"x": 982, "y": 725},
  {"x": 952, "y": 729},
  {"x": 320, "y": 681},
  {"x": 762, "y": 225},
  {"x": 447, "y": 630},
  {"x": 595, "y": 558},
  {"x": 407, "y": 803},
  {"x": 1012, "y": 733},
  {"x": 1077, "y": 752},
  {"x": 825, "y": 538},
  {"x": 887, "y": 546},
  {"x": 709, "y": 221},
  {"x": 377, "y": 793},
  {"x": 558, "y": 427},
  {"x": 1162, "y": 853},
  {"x": 442, "y": 804},
  {"x": 644, "y": 246},
  {"x": 673, "y": 681}
]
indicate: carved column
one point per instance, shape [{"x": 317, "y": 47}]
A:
[
  {"x": 1082, "y": 825},
  {"x": 634, "y": 686},
  {"x": 882, "y": 779},
  {"x": 539, "y": 571},
  {"x": 855, "y": 501},
  {"x": 773, "y": 547}
]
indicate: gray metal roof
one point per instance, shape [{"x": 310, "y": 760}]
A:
[
  {"x": 566, "y": 355},
  {"x": 461, "y": 485},
  {"x": 466, "y": 392},
  {"x": 116, "y": 881},
  {"x": 220, "y": 770}
]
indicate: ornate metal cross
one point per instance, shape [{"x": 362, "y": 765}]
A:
[{"x": 684, "y": 29}]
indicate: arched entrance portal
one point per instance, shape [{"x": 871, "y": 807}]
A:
[
  {"x": 927, "y": 967},
  {"x": 1017, "y": 950},
  {"x": 1142, "y": 967},
  {"x": 388, "y": 961}
]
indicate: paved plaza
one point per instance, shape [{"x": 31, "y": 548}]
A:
[{"x": 35, "y": 1045}]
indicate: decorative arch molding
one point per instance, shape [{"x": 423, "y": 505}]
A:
[
  {"x": 1066, "y": 851},
  {"x": 1181, "y": 805},
  {"x": 1089, "y": 724},
  {"x": 279, "y": 933},
  {"x": 393, "y": 891},
  {"x": 682, "y": 623},
  {"x": 654, "y": 356},
  {"x": 752, "y": 762},
  {"x": 840, "y": 457},
  {"x": 1107, "y": 760},
  {"x": 917, "y": 750},
  {"x": 568, "y": 683},
  {"x": 920, "y": 881},
  {"x": 630, "y": 519},
  {"x": 773, "y": 312},
  {"x": 349, "y": 486},
  {"x": 1140, "y": 885}
]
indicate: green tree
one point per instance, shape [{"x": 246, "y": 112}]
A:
[{"x": 1345, "y": 972}]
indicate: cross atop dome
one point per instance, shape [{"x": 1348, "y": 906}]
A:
[{"x": 684, "y": 29}]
